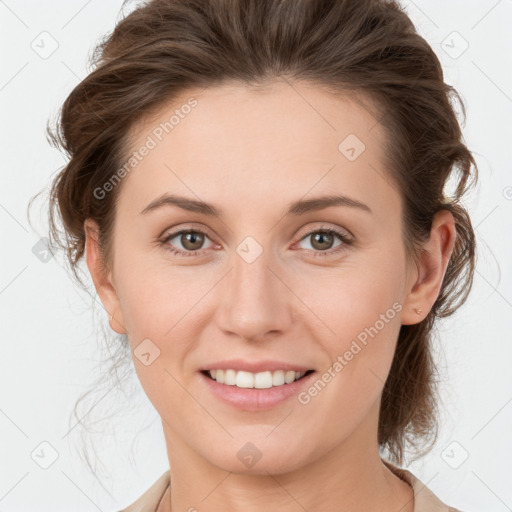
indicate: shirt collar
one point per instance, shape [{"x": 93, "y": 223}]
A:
[{"x": 424, "y": 499}]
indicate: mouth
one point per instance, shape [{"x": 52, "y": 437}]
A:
[
  {"x": 260, "y": 380},
  {"x": 255, "y": 392}
]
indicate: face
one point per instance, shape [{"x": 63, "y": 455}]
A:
[{"x": 256, "y": 286}]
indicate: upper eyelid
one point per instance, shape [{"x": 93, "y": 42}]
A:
[
  {"x": 171, "y": 232},
  {"x": 303, "y": 233},
  {"x": 308, "y": 231}
]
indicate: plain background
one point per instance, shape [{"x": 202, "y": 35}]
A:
[{"x": 48, "y": 326}]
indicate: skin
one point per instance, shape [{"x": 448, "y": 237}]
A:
[{"x": 251, "y": 152}]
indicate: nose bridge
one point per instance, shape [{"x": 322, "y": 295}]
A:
[{"x": 255, "y": 301}]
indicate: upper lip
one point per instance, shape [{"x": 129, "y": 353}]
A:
[{"x": 255, "y": 366}]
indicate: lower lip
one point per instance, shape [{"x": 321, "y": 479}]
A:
[{"x": 252, "y": 399}]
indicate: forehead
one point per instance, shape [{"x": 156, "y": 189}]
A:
[{"x": 282, "y": 139}]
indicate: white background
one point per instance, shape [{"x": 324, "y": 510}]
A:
[{"x": 48, "y": 326}]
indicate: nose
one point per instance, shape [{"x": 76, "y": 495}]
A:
[{"x": 256, "y": 302}]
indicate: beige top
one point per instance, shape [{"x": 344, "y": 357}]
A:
[{"x": 424, "y": 499}]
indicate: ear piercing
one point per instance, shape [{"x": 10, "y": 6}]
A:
[
  {"x": 418, "y": 311},
  {"x": 112, "y": 317}
]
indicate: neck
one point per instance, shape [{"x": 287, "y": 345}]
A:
[{"x": 350, "y": 477}]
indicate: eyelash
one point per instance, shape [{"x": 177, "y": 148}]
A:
[{"x": 346, "y": 241}]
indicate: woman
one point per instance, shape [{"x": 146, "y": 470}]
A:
[{"x": 258, "y": 188}]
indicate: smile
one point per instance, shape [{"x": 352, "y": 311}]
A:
[{"x": 260, "y": 380}]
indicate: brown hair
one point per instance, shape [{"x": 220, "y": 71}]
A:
[{"x": 366, "y": 47}]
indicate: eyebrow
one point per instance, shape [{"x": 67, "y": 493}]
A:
[{"x": 299, "y": 207}]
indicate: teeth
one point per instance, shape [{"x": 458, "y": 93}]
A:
[{"x": 261, "y": 380}]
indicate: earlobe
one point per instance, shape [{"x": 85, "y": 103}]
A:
[
  {"x": 432, "y": 264},
  {"x": 102, "y": 282}
]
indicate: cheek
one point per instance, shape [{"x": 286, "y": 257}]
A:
[
  {"x": 365, "y": 320},
  {"x": 160, "y": 307},
  {"x": 358, "y": 306},
  {"x": 164, "y": 314},
  {"x": 155, "y": 295},
  {"x": 346, "y": 299}
]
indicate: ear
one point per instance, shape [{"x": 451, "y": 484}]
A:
[
  {"x": 102, "y": 282},
  {"x": 431, "y": 269}
]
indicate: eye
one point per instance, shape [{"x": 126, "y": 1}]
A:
[
  {"x": 191, "y": 241},
  {"x": 322, "y": 241}
]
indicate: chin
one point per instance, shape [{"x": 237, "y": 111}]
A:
[{"x": 257, "y": 457}]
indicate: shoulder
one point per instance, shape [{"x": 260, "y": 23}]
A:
[
  {"x": 148, "y": 501},
  {"x": 424, "y": 499}
]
